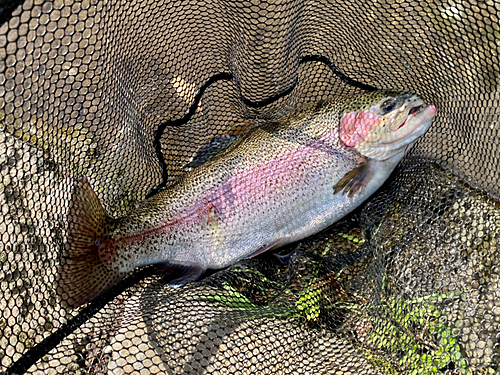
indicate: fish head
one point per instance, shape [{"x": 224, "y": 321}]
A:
[{"x": 382, "y": 124}]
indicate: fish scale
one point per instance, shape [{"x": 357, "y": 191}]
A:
[{"x": 277, "y": 184}]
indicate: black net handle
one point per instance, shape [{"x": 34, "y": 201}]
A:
[
  {"x": 34, "y": 354},
  {"x": 6, "y": 9}
]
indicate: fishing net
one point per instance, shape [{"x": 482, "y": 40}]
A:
[{"x": 128, "y": 93}]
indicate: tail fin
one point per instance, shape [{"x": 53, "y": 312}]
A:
[{"x": 87, "y": 267}]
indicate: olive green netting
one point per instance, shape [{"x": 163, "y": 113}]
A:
[{"x": 407, "y": 284}]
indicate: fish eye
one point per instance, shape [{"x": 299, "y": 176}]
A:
[{"x": 388, "y": 105}]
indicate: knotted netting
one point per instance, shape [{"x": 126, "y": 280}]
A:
[{"x": 126, "y": 94}]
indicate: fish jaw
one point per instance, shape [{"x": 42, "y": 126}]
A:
[{"x": 399, "y": 118}]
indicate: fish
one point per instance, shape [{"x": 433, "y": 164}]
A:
[{"x": 279, "y": 183}]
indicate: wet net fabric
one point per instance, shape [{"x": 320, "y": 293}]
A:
[{"x": 128, "y": 93}]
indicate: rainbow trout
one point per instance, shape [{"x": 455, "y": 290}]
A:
[{"x": 274, "y": 185}]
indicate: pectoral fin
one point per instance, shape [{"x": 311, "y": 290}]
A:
[{"x": 356, "y": 180}]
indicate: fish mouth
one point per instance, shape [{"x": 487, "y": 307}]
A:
[
  {"x": 411, "y": 113},
  {"x": 416, "y": 122}
]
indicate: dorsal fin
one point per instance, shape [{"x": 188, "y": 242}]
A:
[{"x": 214, "y": 147}]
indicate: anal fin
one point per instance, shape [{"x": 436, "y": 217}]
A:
[
  {"x": 178, "y": 274},
  {"x": 285, "y": 258},
  {"x": 270, "y": 246},
  {"x": 355, "y": 181}
]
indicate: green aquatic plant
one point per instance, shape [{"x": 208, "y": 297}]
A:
[
  {"x": 238, "y": 302},
  {"x": 418, "y": 334}
]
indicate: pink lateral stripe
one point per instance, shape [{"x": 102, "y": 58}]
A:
[{"x": 238, "y": 192}]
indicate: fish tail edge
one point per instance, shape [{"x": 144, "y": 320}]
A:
[{"x": 87, "y": 266}]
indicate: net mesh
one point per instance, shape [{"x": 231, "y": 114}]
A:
[{"x": 128, "y": 93}]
